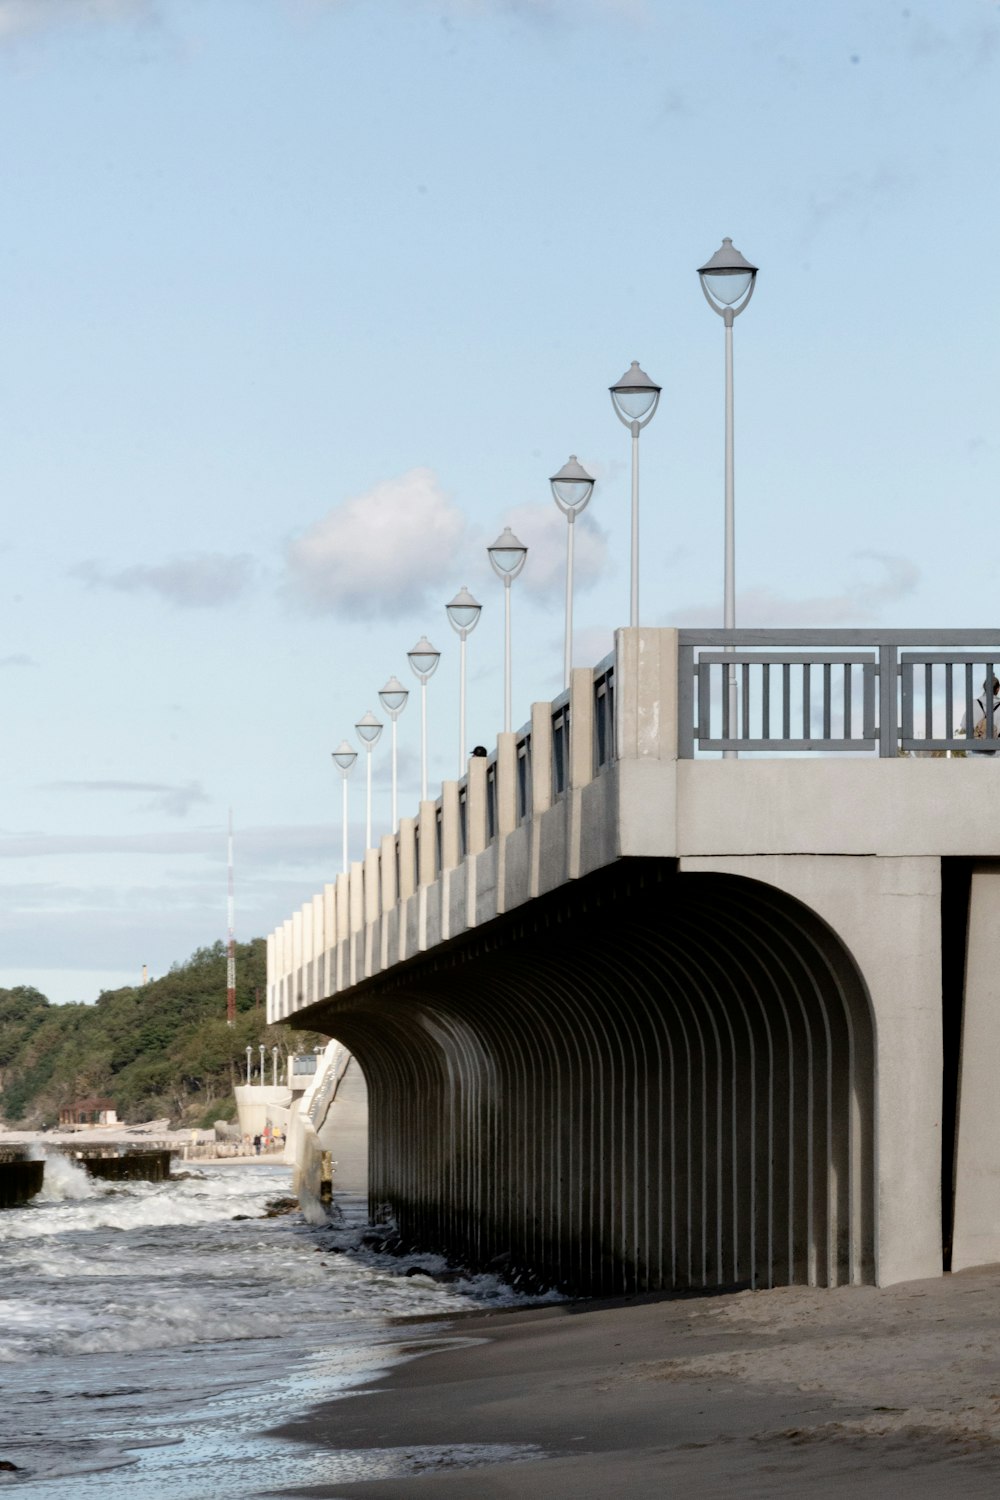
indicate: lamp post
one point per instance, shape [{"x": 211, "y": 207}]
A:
[
  {"x": 728, "y": 280},
  {"x": 249, "y": 1055},
  {"x": 572, "y": 488},
  {"x": 635, "y": 399},
  {"x": 368, "y": 730},
  {"x": 423, "y": 659},
  {"x": 343, "y": 758},
  {"x": 261, "y": 1049},
  {"x": 463, "y": 615},
  {"x": 393, "y": 699},
  {"x": 507, "y": 556},
  {"x": 274, "y": 1067}
]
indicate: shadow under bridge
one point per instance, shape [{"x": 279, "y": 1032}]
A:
[{"x": 645, "y": 1080}]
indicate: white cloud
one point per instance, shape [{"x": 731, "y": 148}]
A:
[
  {"x": 22, "y": 17},
  {"x": 197, "y": 580},
  {"x": 18, "y": 659},
  {"x": 860, "y": 602},
  {"x": 543, "y": 530},
  {"x": 380, "y": 554},
  {"x": 175, "y": 801}
]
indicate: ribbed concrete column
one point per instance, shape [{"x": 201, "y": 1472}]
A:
[
  {"x": 387, "y": 873},
  {"x": 646, "y": 694},
  {"x": 342, "y": 965},
  {"x": 407, "y": 858},
  {"x": 288, "y": 966},
  {"x": 356, "y": 917},
  {"x": 541, "y": 758},
  {"x": 475, "y": 806},
  {"x": 506, "y": 783},
  {"x": 427, "y": 873},
  {"x": 581, "y": 727},
  {"x": 373, "y": 909},
  {"x": 976, "y": 1235},
  {"x": 329, "y": 938},
  {"x": 450, "y": 851},
  {"x": 297, "y": 950}
]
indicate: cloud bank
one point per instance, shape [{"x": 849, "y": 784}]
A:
[
  {"x": 196, "y": 580},
  {"x": 860, "y": 602},
  {"x": 382, "y": 554}
]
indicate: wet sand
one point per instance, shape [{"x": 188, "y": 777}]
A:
[{"x": 861, "y": 1391}]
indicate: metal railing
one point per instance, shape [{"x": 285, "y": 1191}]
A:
[{"x": 837, "y": 691}]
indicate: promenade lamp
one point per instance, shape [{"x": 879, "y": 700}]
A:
[
  {"x": 423, "y": 659},
  {"x": 507, "y": 557},
  {"x": 368, "y": 730},
  {"x": 635, "y": 399},
  {"x": 393, "y": 699},
  {"x": 262, "y": 1080},
  {"x": 463, "y": 616},
  {"x": 249, "y": 1056},
  {"x": 728, "y": 280},
  {"x": 572, "y": 488},
  {"x": 343, "y": 758},
  {"x": 274, "y": 1067}
]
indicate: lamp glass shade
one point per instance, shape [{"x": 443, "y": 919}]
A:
[
  {"x": 572, "y": 486},
  {"x": 423, "y": 658},
  {"x": 464, "y": 611},
  {"x": 344, "y": 757},
  {"x": 368, "y": 728},
  {"x": 507, "y": 554},
  {"x": 635, "y": 395},
  {"x": 727, "y": 287},
  {"x": 393, "y": 696}
]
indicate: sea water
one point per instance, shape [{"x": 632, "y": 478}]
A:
[{"x": 151, "y": 1333}]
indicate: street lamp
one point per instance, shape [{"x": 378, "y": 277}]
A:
[
  {"x": 393, "y": 699},
  {"x": 262, "y": 1064},
  {"x": 463, "y": 615},
  {"x": 368, "y": 731},
  {"x": 572, "y": 488},
  {"x": 507, "y": 556},
  {"x": 635, "y": 399},
  {"x": 423, "y": 659},
  {"x": 728, "y": 280},
  {"x": 343, "y": 758},
  {"x": 249, "y": 1055},
  {"x": 274, "y": 1067}
]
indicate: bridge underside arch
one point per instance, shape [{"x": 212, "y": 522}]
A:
[{"x": 643, "y": 1081}]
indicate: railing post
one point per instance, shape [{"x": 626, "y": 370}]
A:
[
  {"x": 450, "y": 852},
  {"x": 427, "y": 873},
  {"x": 541, "y": 758},
  {"x": 475, "y": 806},
  {"x": 506, "y": 784},
  {"x": 685, "y": 702},
  {"x": 888, "y": 720},
  {"x": 581, "y": 727}
]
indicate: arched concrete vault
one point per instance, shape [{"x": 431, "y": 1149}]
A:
[{"x": 645, "y": 1080}]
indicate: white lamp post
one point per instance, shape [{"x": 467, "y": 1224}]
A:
[
  {"x": 393, "y": 699},
  {"x": 635, "y": 399},
  {"x": 423, "y": 659},
  {"x": 728, "y": 280},
  {"x": 463, "y": 615},
  {"x": 368, "y": 730},
  {"x": 343, "y": 758},
  {"x": 249, "y": 1056},
  {"x": 572, "y": 488},
  {"x": 507, "y": 556},
  {"x": 274, "y": 1067},
  {"x": 262, "y": 1080}
]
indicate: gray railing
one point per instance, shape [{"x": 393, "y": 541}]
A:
[{"x": 837, "y": 691}]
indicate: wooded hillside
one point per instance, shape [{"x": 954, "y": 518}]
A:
[{"x": 158, "y": 1049}]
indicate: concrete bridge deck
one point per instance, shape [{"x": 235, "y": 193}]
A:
[{"x": 639, "y": 1018}]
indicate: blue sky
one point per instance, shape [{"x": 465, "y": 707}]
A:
[{"x": 302, "y": 301}]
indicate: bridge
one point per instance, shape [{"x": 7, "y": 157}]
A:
[{"x": 639, "y": 1013}]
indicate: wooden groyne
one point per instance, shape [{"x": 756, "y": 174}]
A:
[
  {"x": 124, "y": 1166},
  {"x": 20, "y": 1179}
]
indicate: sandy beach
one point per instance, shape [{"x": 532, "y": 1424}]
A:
[{"x": 860, "y": 1391}]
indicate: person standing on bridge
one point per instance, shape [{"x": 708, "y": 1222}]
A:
[{"x": 980, "y": 731}]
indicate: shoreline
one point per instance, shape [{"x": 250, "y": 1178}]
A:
[{"x": 894, "y": 1391}]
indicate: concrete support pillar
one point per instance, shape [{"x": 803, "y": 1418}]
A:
[
  {"x": 373, "y": 905},
  {"x": 407, "y": 857},
  {"x": 329, "y": 938},
  {"x": 506, "y": 784},
  {"x": 342, "y": 968},
  {"x": 427, "y": 873},
  {"x": 297, "y": 948},
  {"x": 976, "y": 1235},
  {"x": 287, "y": 967},
  {"x": 451, "y": 855},
  {"x": 476, "y": 827},
  {"x": 356, "y": 917},
  {"x": 581, "y": 727},
  {"x": 646, "y": 694},
  {"x": 305, "y": 967},
  {"x": 541, "y": 758}
]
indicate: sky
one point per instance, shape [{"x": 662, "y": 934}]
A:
[{"x": 303, "y": 301}]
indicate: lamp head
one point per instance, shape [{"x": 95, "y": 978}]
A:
[
  {"x": 423, "y": 659},
  {"x": 635, "y": 396},
  {"x": 728, "y": 279},
  {"x": 393, "y": 697},
  {"x": 572, "y": 487},
  {"x": 463, "y": 612},
  {"x": 369, "y": 728},
  {"x": 507, "y": 555},
  {"x": 344, "y": 757}
]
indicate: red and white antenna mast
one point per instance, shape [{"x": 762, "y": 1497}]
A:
[{"x": 231, "y": 949}]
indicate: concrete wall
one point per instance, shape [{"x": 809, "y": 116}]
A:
[{"x": 858, "y": 843}]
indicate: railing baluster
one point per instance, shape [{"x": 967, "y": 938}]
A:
[
  {"x": 745, "y": 705},
  {"x": 826, "y": 700},
  {"x": 928, "y": 701},
  {"x": 786, "y": 701},
  {"x": 765, "y": 701},
  {"x": 848, "y": 694},
  {"x": 806, "y": 704}
]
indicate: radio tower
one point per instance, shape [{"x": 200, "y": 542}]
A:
[{"x": 231, "y": 950}]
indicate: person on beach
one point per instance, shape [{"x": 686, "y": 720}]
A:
[
  {"x": 256, "y": 1144},
  {"x": 980, "y": 729}
]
